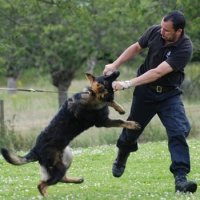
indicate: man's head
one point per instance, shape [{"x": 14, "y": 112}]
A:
[{"x": 172, "y": 26}]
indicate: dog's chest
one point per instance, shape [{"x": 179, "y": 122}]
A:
[{"x": 90, "y": 114}]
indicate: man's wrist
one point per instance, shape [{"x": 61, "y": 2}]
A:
[{"x": 126, "y": 84}]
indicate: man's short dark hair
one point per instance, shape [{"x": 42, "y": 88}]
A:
[{"x": 177, "y": 18}]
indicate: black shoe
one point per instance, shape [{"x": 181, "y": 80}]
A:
[
  {"x": 182, "y": 185},
  {"x": 120, "y": 163}
]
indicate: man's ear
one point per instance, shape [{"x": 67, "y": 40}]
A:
[
  {"x": 180, "y": 30},
  {"x": 90, "y": 77}
]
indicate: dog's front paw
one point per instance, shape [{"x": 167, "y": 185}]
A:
[{"x": 132, "y": 125}]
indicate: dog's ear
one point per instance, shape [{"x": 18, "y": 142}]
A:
[{"x": 90, "y": 77}]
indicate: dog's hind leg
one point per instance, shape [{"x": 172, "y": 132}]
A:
[
  {"x": 56, "y": 174},
  {"x": 42, "y": 187},
  {"x": 51, "y": 176},
  {"x": 67, "y": 160},
  {"x": 66, "y": 179}
]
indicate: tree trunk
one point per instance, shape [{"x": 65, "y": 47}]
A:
[
  {"x": 11, "y": 83},
  {"x": 62, "y": 80},
  {"x": 62, "y": 94},
  {"x": 91, "y": 62},
  {"x": 1, "y": 117}
]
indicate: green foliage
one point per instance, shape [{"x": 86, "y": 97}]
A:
[
  {"x": 64, "y": 34},
  {"x": 2, "y": 68},
  {"x": 147, "y": 176},
  {"x": 191, "y": 84},
  {"x": 191, "y": 11},
  {"x": 8, "y": 138}
]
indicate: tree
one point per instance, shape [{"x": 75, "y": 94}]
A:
[
  {"x": 49, "y": 35},
  {"x": 20, "y": 44},
  {"x": 63, "y": 37},
  {"x": 64, "y": 41}
]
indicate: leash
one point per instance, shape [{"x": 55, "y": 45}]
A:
[
  {"x": 26, "y": 90},
  {"x": 36, "y": 90}
]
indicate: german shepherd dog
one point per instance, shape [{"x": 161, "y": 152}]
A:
[{"x": 83, "y": 110}]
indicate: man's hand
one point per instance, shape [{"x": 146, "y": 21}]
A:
[
  {"x": 109, "y": 69},
  {"x": 121, "y": 85}
]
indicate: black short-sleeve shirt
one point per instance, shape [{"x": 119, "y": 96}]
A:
[{"x": 177, "y": 55}]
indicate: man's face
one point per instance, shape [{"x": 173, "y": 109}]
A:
[{"x": 168, "y": 33}]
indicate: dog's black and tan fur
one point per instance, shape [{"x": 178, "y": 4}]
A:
[{"x": 85, "y": 109}]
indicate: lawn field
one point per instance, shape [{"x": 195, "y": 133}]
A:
[{"x": 146, "y": 176}]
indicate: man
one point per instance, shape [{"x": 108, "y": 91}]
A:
[{"x": 157, "y": 91}]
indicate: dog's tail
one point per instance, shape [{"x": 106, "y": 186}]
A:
[{"x": 14, "y": 159}]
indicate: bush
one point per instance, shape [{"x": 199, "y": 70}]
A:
[
  {"x": 9, "y": 139},
  {"x": 191, "y": 84}
]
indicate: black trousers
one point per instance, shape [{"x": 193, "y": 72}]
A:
[{"x": 169, "y": 108}]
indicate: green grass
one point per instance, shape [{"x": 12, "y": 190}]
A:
[{"x": 146, "y": 176}]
